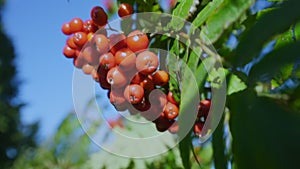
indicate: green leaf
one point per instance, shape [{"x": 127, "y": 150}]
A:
[
  {"x": 289, "y": 36},
  {"x": 185, "y": 151},
  {"x": 205, "y": 13},
  {"x": 194, "y": 58},
  {"x": 220, "y": 160},
  {"x": 272, "y": 23},
  {"x": 285, "y": 71},
  {"x": 222, "y": 18},
  {"x": 297, "y": 30},
  {"x": 264, "y": 11},
  {"x": 217, "y": 77},
  {"x": 276, "y": 0},
  {"x": 172, "y": 64},
  {"x": 186, "y": 56},
  {"x": 202, "y": 71},
  {"x": 265, "y": 133},
  {"x": 274, "y": 61},
  {"x": 179, "y": 14},
  {"x": 284, "y": 39},
  {"x": 294, "y": 99},
  {"x": 235, "y": 84},
  {"x": 190, "y": 98}
]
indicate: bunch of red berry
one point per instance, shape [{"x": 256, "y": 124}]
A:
[{"x": 124, "y": 66}]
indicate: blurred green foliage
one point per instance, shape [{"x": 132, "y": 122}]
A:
[{"x": 14, "y": 136}]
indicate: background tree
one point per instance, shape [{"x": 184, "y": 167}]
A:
[{"x": 14, "y": 135}]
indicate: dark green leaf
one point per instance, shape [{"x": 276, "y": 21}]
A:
[
  {"x": 270, "y": 24},
  {"x": 185, "y": 151},
  {"x": 220, "y": 160},
  {"x": 265, "y": 133},
  {"x": 273, "y": 62}
]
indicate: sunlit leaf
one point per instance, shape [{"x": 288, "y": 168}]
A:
[
  {"x": 289, "y": 36},
  {"x": 235, "y": 84},
  {"x": 181, "y": 11},
  {"x": 222, "y": 18},
  {"x": 205, "y": 13},
  {"x": 194, "y": 58}
]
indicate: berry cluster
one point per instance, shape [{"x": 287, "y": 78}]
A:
[
  {"x": 203, "y": 110},
  {"x": 124, "y": 66}
]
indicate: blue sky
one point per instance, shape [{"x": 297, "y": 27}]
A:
[{"x": 35, "y": 29}]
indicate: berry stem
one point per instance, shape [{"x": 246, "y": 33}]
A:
[{"x": 112, "y": 29}]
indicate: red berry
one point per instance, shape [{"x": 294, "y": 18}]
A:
[
  {"x": 69, "y": 52},
  {"x": 87, "y": 69},
  {"x": 78, "y": 52},
  {"x": 70, "y": 42},
  {"x": 162, "y": 123},
  {"x": 95, "y": 75},
  {"x": 203, "y": 108},
  {"x": 117, "y": 99},
  {"x": 66, "y": 29},
  {"x": 174, "y": 128},
  {"x": 152, "y": 113},
  {"x": 79, "y": 62},
  {"x": 80, "y": 38},
  {"x": 126, "y": 59},
  {"x": 158, "y": 99},
  {"x": 137, "y": 41},
  {"x": 121, "y": 54},
  {"x": 90, "y": 55},
  {"x": 107, "y": 61},
  {"x": 76, "y": 25},
  {"x": 148, "y": 85},
  {"x": 117, "y": 42},
  {"x": 198, "y": 126},
  {"x": 99, "y": 16},
  {"x": 89, "y": 26},
  {"x": 125, "y": 9},
  {"x": 102, "y": 73},
  {"x": 134, "y": 93},
  {"x": 161, "y": 77},
  {"x": 138, "y": 78},
  {"x": 147, "y": 62},
  {"x": 116, "y": 78},
  {"x": 171, "y": 98},
  {"x": 171, "y": 111},
  {"x": 101, "y": 43}
]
